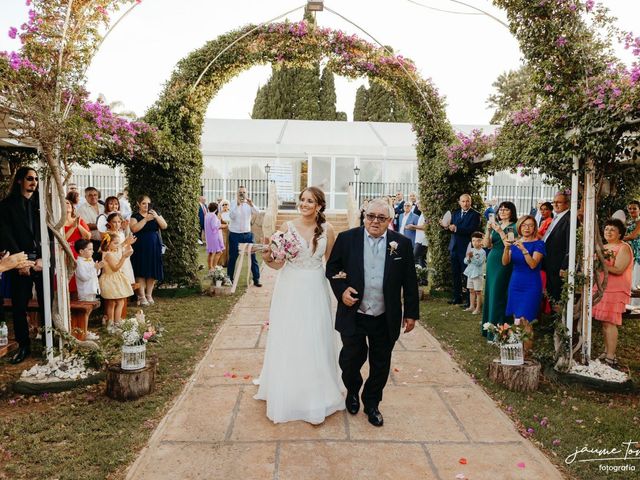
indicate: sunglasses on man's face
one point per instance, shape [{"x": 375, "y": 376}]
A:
[
  {"x": 31, "y": 178},
  {"x": 380, "y": 218}
]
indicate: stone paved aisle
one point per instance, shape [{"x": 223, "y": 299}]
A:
[{"x": 434, "y": 416}]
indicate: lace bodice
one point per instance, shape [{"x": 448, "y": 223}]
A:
[{"x": 305, "y": 259}]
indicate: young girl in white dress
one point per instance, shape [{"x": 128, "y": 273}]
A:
[{"x": 300, "y": 378}]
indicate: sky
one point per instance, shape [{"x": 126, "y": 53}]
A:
[{"x": 463, "y": 54}]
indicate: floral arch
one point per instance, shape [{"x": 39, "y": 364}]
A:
[{"x": 175, "y": 165}]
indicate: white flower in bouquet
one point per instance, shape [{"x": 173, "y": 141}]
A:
[
  {"x": 219, "y": 273},
  {"x": 284, "y": 246}
]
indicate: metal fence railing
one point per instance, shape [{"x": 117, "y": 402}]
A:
[
  {"x": 214, "y": 189},
  {"x": 369, "y": 190},
  {"x": 525, "y": 197},
  {"x": 108, "y": 184}
]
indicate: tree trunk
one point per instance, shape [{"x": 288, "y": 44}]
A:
[
  {"x": 517, "y": 378},
  {"x": 129, "y": 385}
]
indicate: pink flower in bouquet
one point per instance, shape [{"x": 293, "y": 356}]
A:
[
  {"x": 147, "y": 335},
  {"x": 284, "y": 246}
]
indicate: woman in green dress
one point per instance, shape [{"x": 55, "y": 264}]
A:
[{"x": 497, "y": 275}]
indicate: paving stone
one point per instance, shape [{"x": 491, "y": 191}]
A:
[
  {"x": 426, "y": 368},
  {"x": 481, "y": 418},
  {"x": 350, "y": 460},
  {"x": 194, "y": 461},
  {"x": 418, "y": 339},
  {"x": 233, "y": 336},
  {"x": 252, "y": 424},
  {"x": 240, "y": 362},
  {"x": 248, "y": 316},
  {"x": 410, "y": 414},
  {"x": 204, "y": 414},
  {"x": 492, "y": 462}
]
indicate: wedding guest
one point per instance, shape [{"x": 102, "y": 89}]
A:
[
  {"x": 407, "y": 222},
  {"x": 398, "y": 208},
  {"x": 556, "y": 239},
  {"x": 86, "y": 271},
  {"x": 475, "y": 260},
  {"x": 202, "y": 212},
  {"x": 20, "y": 227},
  {"x": 146, "y": 224},
  {"x": 115, "y": 227},
  {"x": 225, "y": 218},
  {"x": 213, "y": 236},
  {"x": 111, "y": 205},
  {"x": 115, "y": 287},
  {"x": 75, "y": 229},
  {"x": 633, "y": 238},
  {"x": 413, "y": 198},
  {"x": 89, "y": 211},
  {"x": 240, "y": 232},
  {"x": 464, "y": 222},
  {"x": 545, "y": 211},
  {"x": 74, "y": 198},
  {"x": 125, "y": 206},
  {"x": 497, "y": 274},
  {"x": 422, "y": 243},
  {"x": 525, "y": 285},
  {"x": 619, "y": 265}
]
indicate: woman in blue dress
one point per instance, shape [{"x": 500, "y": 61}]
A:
[
  {"x": 147, "y": 252},
  {"x": 525, "y": 286}
]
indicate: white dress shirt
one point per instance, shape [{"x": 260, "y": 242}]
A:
[
  {"x": 240, "y": 216},
  {"x": 555, "y": 221},
  {"x": 86, "y": 279},
  {"x": 405, "y": 217},
  {"x": 90, "y": 215}
]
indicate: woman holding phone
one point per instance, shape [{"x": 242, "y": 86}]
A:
[
  {"x": 147, "y": 255},
  {"x": 499, "y": 231}
]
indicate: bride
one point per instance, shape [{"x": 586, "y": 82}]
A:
[{"x": 300, "y": 379}]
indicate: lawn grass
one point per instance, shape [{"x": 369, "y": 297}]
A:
[
  {"x": 576, "y": 416},
  {"x": 82, "y": 434}
]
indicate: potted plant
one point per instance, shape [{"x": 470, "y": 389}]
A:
[
  {"x": 218, "y": 275},
  {"x": 422, "y": 273},
  {"x": 135, "y": 333},
  {"x": 510, "y": 338}
]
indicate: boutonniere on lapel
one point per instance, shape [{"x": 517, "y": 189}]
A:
[{"x": 393, "y": 247}]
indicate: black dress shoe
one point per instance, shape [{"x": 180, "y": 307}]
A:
[
  {"x": 257, "y": 284},
  {"x": 19, "y": 357},
  {"x": 453, "y": 301},
  {"x": 375, "y": 417},
  {"x": 352, "y": 402},
  {"x": 464, "y": 305}
]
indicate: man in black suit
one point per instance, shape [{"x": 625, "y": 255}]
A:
[
  {"x": 464, "y": 222},
  {"x": 20, "y": 217},
  {"x": 371, "y": 270},
  {"x": 398, "y": 208},
  {"x": 556, "y": 240}
]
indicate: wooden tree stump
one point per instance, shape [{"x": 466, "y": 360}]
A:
[
  {"x": 517, "y": 378},
  {"x": 131, "y": 384}
]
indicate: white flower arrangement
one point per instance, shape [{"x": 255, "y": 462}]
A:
[
  {"x": 136, "y": 331},
  {"x": 393, "y": 246}
]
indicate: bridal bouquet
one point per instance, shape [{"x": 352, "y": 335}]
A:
[{"x": 284, "y": 246}]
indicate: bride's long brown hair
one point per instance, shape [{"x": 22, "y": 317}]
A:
[{"x": 318, "y": 196}]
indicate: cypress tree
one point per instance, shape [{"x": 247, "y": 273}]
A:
[
  {"x": 377, "y": 104},
  {"x": 360, "y": 107}
]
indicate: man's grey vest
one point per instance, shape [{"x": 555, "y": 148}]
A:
[{"x": 373, "y": 296}]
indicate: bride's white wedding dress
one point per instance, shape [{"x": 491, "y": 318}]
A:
[{"x": 300, "y": 378}]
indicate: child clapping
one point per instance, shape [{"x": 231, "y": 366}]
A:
[
  {"x": 87, "y": 271},
  {"x": 475, "y": 259}
]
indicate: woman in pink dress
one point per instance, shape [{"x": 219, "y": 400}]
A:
[
  {"x": 609, "y": 310},
  {"x": 213, "y": 234}
]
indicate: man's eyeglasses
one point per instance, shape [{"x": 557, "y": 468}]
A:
[
  {"x": 372, "y": 218},
  {"x": 31, "y": 178}
]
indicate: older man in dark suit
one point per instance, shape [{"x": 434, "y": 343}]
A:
[
  {"x": 373, "y": 276},
  {"x": 464, "y": 222},
  {"x": 556, "y": 240}
]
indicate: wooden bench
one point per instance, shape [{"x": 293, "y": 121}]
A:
[{"x": 80, "y": 312}]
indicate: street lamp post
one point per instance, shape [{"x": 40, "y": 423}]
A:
[
  {"x": 356, "y": 171},
  {"x": 267, "y": 169}
]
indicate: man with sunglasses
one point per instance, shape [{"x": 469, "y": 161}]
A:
[
  {"x": 373, "y": 276},
  {"x": 20, "y": 223}
]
